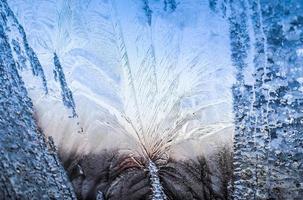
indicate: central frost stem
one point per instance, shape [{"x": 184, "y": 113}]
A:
[{"x": 158, "y": 193}]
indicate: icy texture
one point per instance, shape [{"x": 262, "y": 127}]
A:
[
  {"x": 67, "y": 95},
  {"x": 157, "y": 75},
  {"x": 25, "y": 56},
  {"x": 158, "y": 193},
  {"x": 147, "y": 11},
  {"x": 170, "y": 5},
  {"x": 100, "y": 196},
  {"x": 21, "y": 50},
  {"x": 29, "y": 168},
  {"x": 268, "y": 139}
]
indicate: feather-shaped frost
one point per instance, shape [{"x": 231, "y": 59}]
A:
[{"x": 145, "y": 86}]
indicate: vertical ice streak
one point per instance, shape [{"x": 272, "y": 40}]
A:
[
  {"x": 242, "y": 93},
  {"x": 260, "y": 105},
  {"x": 66, "y": 93},
  {"x": 157, "y": 189},
  {"x": 36, "y": 66},
  {"x": 282, "y": 27}
]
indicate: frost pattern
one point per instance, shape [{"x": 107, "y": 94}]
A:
[
  {"x": 158, "y": 193},
  {"x": 28, "y": 166},
  {"x": 21, "y": 49},
  {"x": 268, "y": 143},
  {"x": 170, "y": 5},
  {"x": 66, "y": 93},
  {"x": 151, "y": 83}
]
